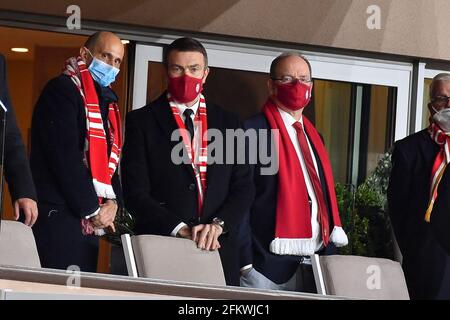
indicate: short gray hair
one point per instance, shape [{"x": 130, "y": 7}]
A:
[{"x": 438, "y": 78}]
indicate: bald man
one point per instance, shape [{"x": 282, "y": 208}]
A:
[{"x": 75, "y": 147}]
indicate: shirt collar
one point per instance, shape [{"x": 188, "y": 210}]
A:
[
  {"x": 288, "y": 119},
  {"x": 182, "y": 107}
]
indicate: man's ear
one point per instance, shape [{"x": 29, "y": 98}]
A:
[
  {"x": 205, "y": 75},
  {"x": 430, "y": 108},
  {"x": 84, "y": 54}
]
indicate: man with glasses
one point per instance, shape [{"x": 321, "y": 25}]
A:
[
  {"x": 419, "y": 199},
  {"x": 185, "y": 195},
  {"x": 75, "y": 149},
  {"x": 295, "y": 212}
]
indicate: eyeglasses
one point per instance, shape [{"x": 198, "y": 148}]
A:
[
  {"x": 440, "y": 101},
  {"x": 195, "y": 70},
  {"x": 291, "y": 79}
]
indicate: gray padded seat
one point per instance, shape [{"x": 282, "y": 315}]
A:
[
  {"x": 357, "y": 277},
  {"x": 176, "y": 259},
  {"x": 17, "y": 245}
]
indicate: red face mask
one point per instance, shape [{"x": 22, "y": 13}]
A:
[
  {"x": 294, "y": 96},
  {"x": 185, "y": 88}
]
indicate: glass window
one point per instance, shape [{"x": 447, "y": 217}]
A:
[
  {"x": 331, "y": 114},
  {"x": 426, "y": 99},
  {"x": 378, "y": 126}
]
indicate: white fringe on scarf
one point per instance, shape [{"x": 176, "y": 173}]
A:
[
  {"x": 306, "y": 247},
  {"x": 295, "y": 247},
  {"x": 104, "y": 190}
]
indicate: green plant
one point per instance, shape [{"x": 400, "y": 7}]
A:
[
  {"x": 364, "y": 214},
  {"x": 354, "y": 225}
]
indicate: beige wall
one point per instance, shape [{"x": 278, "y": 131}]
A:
[{"x": 408, "y": 27}]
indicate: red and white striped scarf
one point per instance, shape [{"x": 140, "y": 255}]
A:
[
  {"x": 440, "y": 163},
  {"x": 96, "y": 149},
  {"x": 198, "y": 161}
]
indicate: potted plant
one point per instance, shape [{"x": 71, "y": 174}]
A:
[{"x": 364, "y": 214}]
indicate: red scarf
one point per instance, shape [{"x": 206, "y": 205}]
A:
[
  {"x": 199, "y": 162},
  {"x": 439, "y": 166},
  {"x": 96, "y": 158},
  {"x": 293, "y": 230}
]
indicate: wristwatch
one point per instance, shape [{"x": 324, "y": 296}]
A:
[{"x": 220, "y": 223}]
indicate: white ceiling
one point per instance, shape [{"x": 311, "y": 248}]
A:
[{"x": 12, "y": 37}]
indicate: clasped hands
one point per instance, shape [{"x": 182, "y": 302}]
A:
[
  {"x": 204, "y": 235},
  {"x": 105, "y": 218}
]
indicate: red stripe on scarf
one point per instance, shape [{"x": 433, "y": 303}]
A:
[
  {"x": 439, "y": 165},
  {"x": 198, "y": 166},
  {"x": 101, "y": 166},
  {"x": 293, "y": 217}
]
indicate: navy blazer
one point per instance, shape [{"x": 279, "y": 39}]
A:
[
  {"x": 58, "y": 134},
  {"x": 64, "y": 183},
  {"x": 425, "y": 262},
  {"x": 258, "y": 231},
  {"x": 17, "y": 169},
  {"x": 162, "y": 194}
]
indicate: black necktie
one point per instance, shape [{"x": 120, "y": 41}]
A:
[{"x": 188, "y": 122}]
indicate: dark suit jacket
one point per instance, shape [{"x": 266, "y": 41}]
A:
[
  {"x": 17, "y": 169},
  {"x": 258, "y": 231},
  {"x": 440, "y": 219},
  {"x": 424, "y": 260},
  {"x": 161, "y": 194},
  {"x": 64, "y": 183}
]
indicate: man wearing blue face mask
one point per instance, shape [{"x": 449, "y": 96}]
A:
[
  {"x": 419, "y": 199},
  {"x": 75, "y": 148}
]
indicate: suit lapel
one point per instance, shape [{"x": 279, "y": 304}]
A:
[
  {"x": 164, "y": 117},
  {"x": 213, "y": 123},
  {"x": 428, "y": 148}
]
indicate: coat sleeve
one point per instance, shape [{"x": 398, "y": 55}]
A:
[
  {"x": 398, "y": 194},
  {"x": 240, "y": 194},
  {"x": 151, "y": 216},
  {"x": 17, "y": 169},
  {"x": 440, "y": 219},
  {"x": 56, "y": 123}
]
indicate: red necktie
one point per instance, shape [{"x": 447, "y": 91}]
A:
[{"x": 322, "y": 214}]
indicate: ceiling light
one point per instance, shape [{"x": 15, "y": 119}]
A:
[
  {"x": 125, "y": 41},
  {"x": 21, "y": 50}
]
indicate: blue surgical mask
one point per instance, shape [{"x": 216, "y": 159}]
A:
[{"x": 102, "y": 73}]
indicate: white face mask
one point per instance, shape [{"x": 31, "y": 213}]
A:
[{"x": 442, "y": 119}]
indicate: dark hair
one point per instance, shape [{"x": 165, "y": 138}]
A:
[
  {"x": 184, "y": 45},
  {"x": 281, "y": 57}
]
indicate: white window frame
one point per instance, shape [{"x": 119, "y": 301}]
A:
[
  {"x": 324, "y": 66},
  {"x": 423, "y": 74}
]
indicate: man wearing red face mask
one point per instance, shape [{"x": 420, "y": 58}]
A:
[
  {"x": 197, "y": 200},
  {"x": 295, "y": 213}
]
